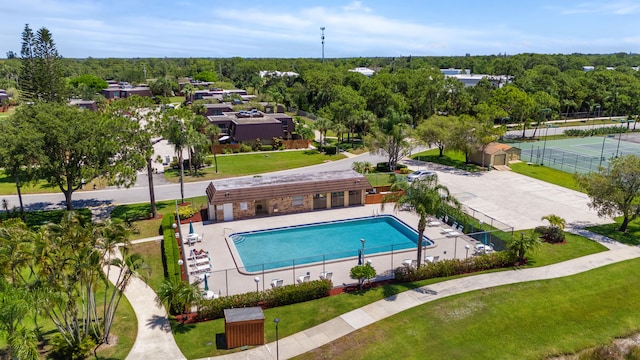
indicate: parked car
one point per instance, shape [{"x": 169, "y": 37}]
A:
[{"x": 419, "y": 175}]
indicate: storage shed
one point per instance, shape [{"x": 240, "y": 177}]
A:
[
  {"x": 495, "y": 154},
  {"x": 244, "y": 326}
]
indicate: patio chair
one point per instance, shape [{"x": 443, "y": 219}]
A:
[
  {"x": 326, "y": 275},
  {"x": 303, "y": 279},
  {"x": 277, "y": 283},
  {"x": 435, "y": 259}
]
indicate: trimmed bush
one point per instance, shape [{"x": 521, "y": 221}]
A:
[
  {"x": 452, "y": 267},
  {"x": 330, "y": 150},
  {"x": 245, "y": 148},
  {"x": 186, "y": 212},
  {"x": 170, "y": 250},
  {"x": 552, "y": 234},
  {"x": 267, "y": 148},
  {"x": 286, "y": 295}
]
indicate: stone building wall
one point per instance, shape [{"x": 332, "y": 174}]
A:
[{"x": 285, "y": 205}]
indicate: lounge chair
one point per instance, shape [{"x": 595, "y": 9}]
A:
[
  {"x": 277, "y": 283},
  {"x": 303, "y": 279},
  {"x": 435, "y": 259},
  {"x": 326, "y": 275}
]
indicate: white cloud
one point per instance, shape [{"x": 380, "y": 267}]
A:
[{"x": 356, "y": 6}]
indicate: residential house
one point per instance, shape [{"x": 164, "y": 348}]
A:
[
  {"x": 123, "y": 90},
  {"x": 84, "y": 104},
  {"x": 247, "y": 126}
]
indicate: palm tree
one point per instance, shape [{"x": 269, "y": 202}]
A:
[
  {"x": 323, "y": 125},
  {"x": 425, "y": 197},
  {"x": 177, "y": 296},
  {"x": 175, "y": 132},
  {"x": 188, "y": 90},
  {"x": 520, "y": 246},
  {"x": 555, "y": 221}
]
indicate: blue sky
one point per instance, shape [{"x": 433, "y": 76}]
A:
[{"x": 291, "y": 29}]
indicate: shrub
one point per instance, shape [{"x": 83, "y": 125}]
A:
[
  {"x": 186, "y": 212},
  {"x": 452, "y": 267},
  {"x": 286, "y": 295},
  {"x": 227, "y": 151},
  {"x": 552, "y": 234},
  {"x": 170, "y": 251},
  {"x": 330, "y": 150},
  {"x": 208, "y": 161},
  {"x": 245, "y": 148},
  {"x": 405, "y": 171},
  {"x": 267, "y": 147},
  {"x": 62, "y": 350},
  {"x": 384, "y": 167}
]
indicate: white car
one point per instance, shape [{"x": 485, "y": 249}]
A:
[{"x": 420, "y": 174}]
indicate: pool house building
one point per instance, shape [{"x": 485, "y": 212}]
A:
[{"x": 256, "y": 196}]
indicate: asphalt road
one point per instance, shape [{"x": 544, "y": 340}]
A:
[{"x": 139, "y": 193}]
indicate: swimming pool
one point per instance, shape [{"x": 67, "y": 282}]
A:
[{"x": 303, "y": 244}]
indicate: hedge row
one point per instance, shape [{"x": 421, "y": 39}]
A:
[
  {"x": 452, "y": 267},
  {"x": 596, "y": 131},
  {"x": 170, "y": 250},
  {"x": 285, "y": 295}
]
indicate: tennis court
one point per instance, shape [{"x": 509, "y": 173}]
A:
[{"x": 582, "y": 155}]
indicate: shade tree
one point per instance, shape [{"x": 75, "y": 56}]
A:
[
  {"x": 615, "y": 191},
  {"x": 391, "y": 136},
  {"x": 74, "y": 147}
]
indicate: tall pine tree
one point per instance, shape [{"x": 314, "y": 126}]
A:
[{"x": 41, "y": 75}]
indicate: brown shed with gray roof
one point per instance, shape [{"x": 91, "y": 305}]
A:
[
  {"x": 495, "y": 154},
  {"x": 243, "y": 198}
]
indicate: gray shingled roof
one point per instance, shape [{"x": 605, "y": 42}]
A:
[{"x": 264, "y": 187}]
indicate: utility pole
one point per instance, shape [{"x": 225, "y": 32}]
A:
[{"x": 322, "y": 38}]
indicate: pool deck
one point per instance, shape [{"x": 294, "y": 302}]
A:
[{"x": 226, "y": 278}]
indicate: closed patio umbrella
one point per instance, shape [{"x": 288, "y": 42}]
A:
[
  {"x": 191, "y": 227},
  {"x": 206, "y": 283},
  {"x": 359, "y": 257}
]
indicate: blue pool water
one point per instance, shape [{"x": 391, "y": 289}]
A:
[{"x": 310, "y": 243}]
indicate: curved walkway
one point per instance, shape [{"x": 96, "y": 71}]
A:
[
  {"x": 154, "y": 340},
  {"x": 336, "y": 328}
]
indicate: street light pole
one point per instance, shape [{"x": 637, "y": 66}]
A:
[
  {"x": 467, "y": 247},
  {"x": 277, "y": 321},
  {"x": 257, "y": 280}
]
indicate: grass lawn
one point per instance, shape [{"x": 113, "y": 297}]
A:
[
  {"x": 138, "y": 215},
  {"x": 8, "y": 186},
  {"x": 203, "y": 339},
  {"x": 151, "y": 252},
  {"x": 574, "y": 247},
  {"x": 255, "y": 163},
  {"x": 547, "y": 174},
  {"x": 449, "y": 158},
  {"x": 381, "y": 179},
  {"x": 631, "y": 237},
  {"x": 531, "y": 320}
]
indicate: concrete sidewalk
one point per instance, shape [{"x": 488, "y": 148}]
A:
[
  {"x": 154, "y": 340},
  {"x": 336, "y": 328}
]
